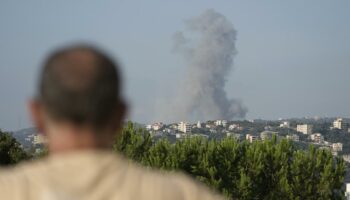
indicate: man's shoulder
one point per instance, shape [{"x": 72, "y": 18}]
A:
[
  {"x": 129, "y": 180},
  {"x": 15, "y": 180},
  {"x": 20, "y": 172},
  {"x": 173, "y": 185}
]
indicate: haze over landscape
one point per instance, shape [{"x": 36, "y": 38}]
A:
[{"x": 292, "y": 57}]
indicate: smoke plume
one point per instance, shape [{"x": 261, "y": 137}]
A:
[{"x": 209, "y": 58}]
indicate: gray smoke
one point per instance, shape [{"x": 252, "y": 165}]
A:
[{"x": 209, "y": 59}]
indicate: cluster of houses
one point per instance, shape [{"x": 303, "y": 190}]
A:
[
  {"x": 237, "y": 130},
  {"x": 318, "y": 138},
  {"x": 231, "y": 129},
  {"x": 185, "y": 129}
]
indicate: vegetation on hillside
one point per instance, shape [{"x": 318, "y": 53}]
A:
[
  {"x": 11, "y": 151},
  {"x": 240, "y": 170},
  {"x": 260, "y": 170}
]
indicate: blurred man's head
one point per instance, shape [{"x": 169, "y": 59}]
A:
[{"x": 79, "y": 91}]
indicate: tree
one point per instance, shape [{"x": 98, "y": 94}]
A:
[
  {"x": 10, "y": 150},
  {"x": 133, "y": 142},
  {"x": 269, "y": 169},
  {"x": 265, "y": 170}
]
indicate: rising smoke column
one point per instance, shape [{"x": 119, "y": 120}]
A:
[{"x": 209, "y": 59}]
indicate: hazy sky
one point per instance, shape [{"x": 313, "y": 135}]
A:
[{"x": 293, "y": 56}]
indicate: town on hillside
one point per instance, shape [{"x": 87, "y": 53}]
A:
[{"x": 327, "y": 133}]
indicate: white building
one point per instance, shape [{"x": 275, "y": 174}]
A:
[
  {"x": 305, "y": 128},
  {"x": 235, "y": 127},
  {"x": 337, "y": 147},
  {"x": 347, "y": 191},
  {"x": 221, "y": 123},
  {"x": 267, "y": 135},
  {"x": 293, "y": 137},
  {"x": 157, "y": 126},
  {"x": 148, "y": 126},
  {"x": 317, "y": 138},
  {"x": 251, "y": 138},
  {"x": 285, "y": 124},
  {"x": 199, "y": 125},
  {"x": 184, "y": 127},
  {"x": 224, "y": 123},
  {"x": 217, "y": 123},
  {"x": 39, "y": 139},
  {"x": 174, "y": 126},
  {"x": 346, "y": 158},
  {"x": 340, "y": 124},
  {"x": 209, "y": 126}
]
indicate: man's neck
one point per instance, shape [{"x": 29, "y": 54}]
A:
[{"x": 65, "y": 138}]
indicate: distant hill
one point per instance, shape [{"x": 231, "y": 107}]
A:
[{"x": 23, "y": 135}]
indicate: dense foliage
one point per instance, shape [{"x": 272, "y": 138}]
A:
[
  {"x": 240, "y": 170},
  {"x": 11, "y": 151},
  {"x": 260, "y": 170}
]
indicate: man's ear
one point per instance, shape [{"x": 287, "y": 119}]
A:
[{"x": 37, "y": 115}]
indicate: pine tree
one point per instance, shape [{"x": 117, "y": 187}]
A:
[
  {"x": 269, "y": 169},
  {"x": 11, "y": 151}
]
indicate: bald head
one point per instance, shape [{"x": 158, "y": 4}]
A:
[{"x": 80, "y": 84}]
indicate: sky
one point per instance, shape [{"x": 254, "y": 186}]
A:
[{"x": 293, "y": 56}]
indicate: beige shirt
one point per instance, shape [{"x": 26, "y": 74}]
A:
[{"x": 95, "y": 175}]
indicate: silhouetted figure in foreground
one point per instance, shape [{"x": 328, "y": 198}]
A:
[{"x": 79, "y": 108}]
